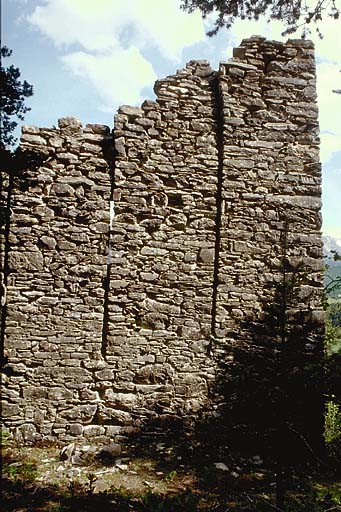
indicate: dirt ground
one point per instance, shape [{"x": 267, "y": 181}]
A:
[{"x": 156, "y": 474}]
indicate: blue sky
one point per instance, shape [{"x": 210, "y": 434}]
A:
[{"x": 87, "y": 57}]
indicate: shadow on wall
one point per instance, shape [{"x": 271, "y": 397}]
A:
[
  {"x": 17, "y": 172},
  {"x": 272, "y": 392},
  {"x": 269, "y": 395},
  {"x": 268, "y": 398}
]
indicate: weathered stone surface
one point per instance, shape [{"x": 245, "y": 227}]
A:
[
  {"x": 49, "y": 241},
  {"x": 114, "y": 416},
  {"x": 59, "y": 394},
  {"x": 61, "y": 189},
  {"x": 25, "y": 262},
  {"x": 206, "y": 255},
  {"x": 122, "y": 303},
  {"x": 155, "y": 374},
  {"x": 30, "y": 129},
  {"x": 112, "y": 449},
  {"x": 80, "y": 414},
  {"x": 130, "y": 111},
  {"x": 33, "y": 139},
  {"x": 70, "y": 124}
]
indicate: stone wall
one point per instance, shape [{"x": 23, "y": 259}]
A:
[
  {"x": 271, "y": 182},
  {"x": 136, "y": 259},
  {"x": 163, "y": 241}
]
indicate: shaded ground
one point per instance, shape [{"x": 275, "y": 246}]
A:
[{"x": 156, "y": 474}]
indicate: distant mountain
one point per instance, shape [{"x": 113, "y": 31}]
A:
[
  {"x": 333, "y": 270},
  {"x": 331, "y": 244}
]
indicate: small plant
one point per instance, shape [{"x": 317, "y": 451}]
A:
[
  {"x": 28, "y": 471},
  {"x": 170, "y": 476},
  {"x": 17, "y": 471},
  {"x": 5, "y": 441},
  {"x": 332, "y": 434},
  {"x": 75, "y": 487},
  {"x": 91, "y": 483},
  {"x": 12, "y": 471},
  {"x": 332, "y": 338},
  {"x": 332, "y": 422}
]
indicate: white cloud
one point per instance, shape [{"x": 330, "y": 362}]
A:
[
  {"x": 330, "y": 143},
  {"x": 329, "y": 78},
  {"x": 115, "y": 37},
  {"x": 118, "y": 78},
  {"x": 329, "y": 47},
  {"x": 245, "y": 28},
  {"x": 163, "y": 25},
  {"x": 68, "y": 22},
  {"x": 105, "y": 25}
]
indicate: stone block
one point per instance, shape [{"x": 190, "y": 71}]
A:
[
  {"x": 206, "y": 255},
  {"x": 76, "y": 428},
  {"x": 26, "y": 261},
  {"x": 49, "y": 242},
  {"x": 70, "y": 125},
  {"x": 59, "y": 393},
  {"x": 81, "y": 414},
  {"x": 130, "y": 111},
  {"x": 115, "y": 417},
  {"x": 90, "y": 431},
  {"x": 9, "y": 411},
  {"x": 62, "y": 189},
  {"x": 106, "y": 374},
  {"x": 123, "y": 401},
  {"x": 33, "y": 139},
  {"x": 35, "y": 393}
]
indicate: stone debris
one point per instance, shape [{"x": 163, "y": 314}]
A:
[
  {"x": 84, "y": 454},
  {"x": 221, "y": 465},
  {"x": 256, "y": 459},
  {"x": 67, "y": 451},
  {"x": 234, "y": 474}
]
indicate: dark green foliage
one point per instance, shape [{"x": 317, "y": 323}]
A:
[
  {"x": 334, "y": 314},
  {"x": 13, "y": 94},
  {"x": 294, "y": 13},
  {"x": 332, "y": 278},
  {"x": 274, "y": 387},
  {"x": 333, "y": 362}
]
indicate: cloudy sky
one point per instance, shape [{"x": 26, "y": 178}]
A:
[{"x": 87, "y": 57}]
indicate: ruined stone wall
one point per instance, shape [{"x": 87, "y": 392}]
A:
[
  {"x": 163, "y": 241},
  {"x": 136, "y": 259},
  {"x": 57, "y": 263},
  {"x": 271, "y": 182}
]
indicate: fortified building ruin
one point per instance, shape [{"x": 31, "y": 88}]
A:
[{"x": 136, "y": 260}]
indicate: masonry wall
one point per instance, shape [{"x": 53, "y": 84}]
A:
[
  {"x": 137, "y": 259},
  {"x": 55, "y": 287},
  {"x": 271, "y": 182},
  {"x": 163, "y": 240}
]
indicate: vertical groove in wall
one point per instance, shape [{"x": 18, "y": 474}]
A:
[
  {"x": 219, "y": 122},
  {"x": 5, "y": 246},
  {"x": 106, "y": 286},
  {"x": 106, "y": 282}
]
